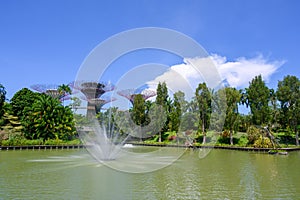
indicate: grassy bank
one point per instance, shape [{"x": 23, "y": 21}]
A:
[{"x": 26, "y": 142}]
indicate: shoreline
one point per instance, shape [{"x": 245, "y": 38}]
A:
[
  {"x": 82, "y": 146},
  {"x": 42, "y": 147},
  {"x": 219, "y": 147}
]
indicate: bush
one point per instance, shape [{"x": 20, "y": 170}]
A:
[
  {"x": 199, "y": 139},
  {"x": 253, "y": 134},
  {"x": 263, "y": 142},
  {"x": 33, "y": 142},
  {"x": 226, "y": 140},
  {"x": 243, "y": 141}
]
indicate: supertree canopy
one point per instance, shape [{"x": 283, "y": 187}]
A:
[
  {"x": 92, "y": 89},
  {"x": 51, "y": 90},
  {"x": 131, "y": 93},
  {"x": 93, "y": 92}
]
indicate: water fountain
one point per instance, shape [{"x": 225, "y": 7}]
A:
[{"x": 103, "y": 142}]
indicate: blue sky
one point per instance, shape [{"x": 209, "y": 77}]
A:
[{"x": 46, "y": 41}]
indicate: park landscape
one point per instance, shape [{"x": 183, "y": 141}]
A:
[
  {"x": 120, "y": 100},
  {"x": 272, "y": 126},
  {"x": 42, "y": 118}
]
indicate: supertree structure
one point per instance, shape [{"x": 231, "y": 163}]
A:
[
  {"x": 131, "y": 93},
  {"x": 93, "y": 92},
  {"x": 51, "y": 90},
  {"x": 100, "y": 102}
]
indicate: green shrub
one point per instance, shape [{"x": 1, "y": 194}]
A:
[
  {"x": 199, "y": 139},
  {"x": 243, "y": 141},
  {"x": 33, "y": 142},
  {"x": 53, "y": 142},
  {"x": 263, "y": 142},
  {"x": 253, "y": 134}
]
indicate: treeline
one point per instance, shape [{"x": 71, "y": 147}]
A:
[
  {"x": 34, "y": 116},
  {"x": 276, "y": 111},
  {"x": 38, "y": 116}
]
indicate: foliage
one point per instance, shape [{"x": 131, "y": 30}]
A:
[
  {"x": 76, "y": 102},
  {"x": 48, "y": 119},
  {"x": 253, "y": 134},
  {"x": 2, "y": 99},
  {"x": 233, "y": 97},
  {"x": 64, "y": 90},
  {"x": 176, "y": 111},
  {"x": 22, "y": 99},
  {"x": 138, "y": 110},
  {"x": 189, "y": 121},
  {"x": 203, "y": 99},
  {"x": 243, "y": 141},
  {"x": 11, "y": 123},
  {"x": 262, "y": 142},
  {"x": 257, "y": 97},
  {"x": 162, "y": 107},
  {"x": 42, "y": 118},
  {"x": 243, "y": 122},
  {"x": 288, "y": 94},
  {"x": 21, "y": 141},
  {"x": 218, "y": 110}
]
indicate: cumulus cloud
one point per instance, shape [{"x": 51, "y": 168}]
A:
[
  {"x": 215, "y": 70},
  {"x": 241, "y": 71}
]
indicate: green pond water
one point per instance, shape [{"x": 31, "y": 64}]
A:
[{"x": 222, "y": 174}]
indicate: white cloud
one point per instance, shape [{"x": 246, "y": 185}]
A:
[
  {"x": 213, "y": 70},
  {"x": 241, "y": 71}
]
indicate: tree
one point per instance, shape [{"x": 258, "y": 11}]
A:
[
  {"x": 22, "y": 99},
  {"x": 203, "y": 98},
  {"x": 257, "y": 97},
  {"x": 288, "y": 94},
  {"x": 273, "y": 109},
  {"x": 76, "y": 102},
  {"x": 161, "y": 102},
  {"x": 2, "y": 99},
  {"x": 233, "y": 97},
  {"x": 48, "y": 119},
  {"x": 176, "y": 111},
  {"x": 138, "y": 112},
  {"x": 64, "y": 90}
]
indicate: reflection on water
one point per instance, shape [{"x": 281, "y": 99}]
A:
[{"x": 222, "y": 174}]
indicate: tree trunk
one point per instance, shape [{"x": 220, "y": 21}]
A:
[
  {"x": 159, "y": 139},
  {"x": 231, "y": 137},
  {"x": 204, "y": 138},
  {"x": 204, "y": 134},
  {"x": 296, "y": 134}
]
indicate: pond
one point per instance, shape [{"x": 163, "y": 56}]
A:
[{"x": 222, "y": 174}]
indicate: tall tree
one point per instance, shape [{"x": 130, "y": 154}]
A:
[
  {"x": 203, "y": 98},
  {"x": 176, "y": 111},
  {"x": 274, "y": 109},
  {"x": 288, "y": 94},
  {"x": 2, "y": 99},
  {"x": 161, "y": 102},
  {"x": 233, "y": 97},
  {"x": 138, "y": 112},
  {"x": 257, "y": 97}
]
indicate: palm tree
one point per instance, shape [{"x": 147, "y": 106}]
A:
[
  {"x": 64, "y": 90},
  {"x": 48, "y": 119}
]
